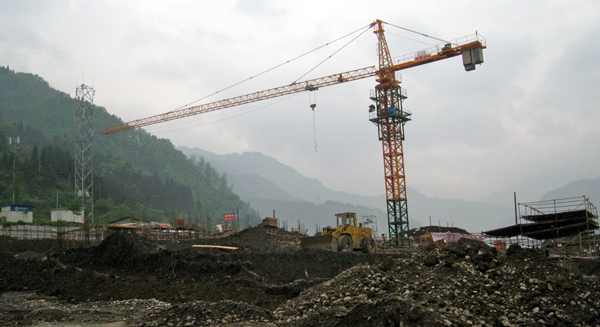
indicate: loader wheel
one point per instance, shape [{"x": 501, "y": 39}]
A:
[
  {"x": 368, "y": 245},
  {"x": 345, "y": 243}
]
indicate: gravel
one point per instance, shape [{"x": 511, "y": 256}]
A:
[
  {"x": 464, "y": 285},
  {"x": 130, "y": 282}
]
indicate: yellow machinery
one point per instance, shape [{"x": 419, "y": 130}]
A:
[{"x": 348, "y": 235}]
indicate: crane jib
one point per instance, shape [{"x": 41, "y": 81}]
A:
[
  {"x": 247, "y": 98},
  {"x": 411, "y": 60}
]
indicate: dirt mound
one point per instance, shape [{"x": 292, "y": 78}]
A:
[
  {"x": 417, "y": 232},
  {"x": 590, "y": 267},
  {"x": 255, "y": 239},
  {"x": 467, "y": 283},
  {"x": 119, "y": 248},
  {"x": 127, "y": 254},
  {"x": 14, "y": 246},
  {"x": 125, "y": 242},
  {"x": 460, "y": 285},
  {"x": 127, "y": 266}
]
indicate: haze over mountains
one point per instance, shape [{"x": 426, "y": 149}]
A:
[
  {"x": 131, "y": 167},
  {"x": 269, "y": 185}
]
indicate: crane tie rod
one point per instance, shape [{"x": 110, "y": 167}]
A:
[
  {"x": 366, "y": 28},
  {"x": 423, "y": 34},
  {"x": 277, "y": 66}
]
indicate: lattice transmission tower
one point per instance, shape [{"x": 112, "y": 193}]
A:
[{"x": 84, "y": 152}]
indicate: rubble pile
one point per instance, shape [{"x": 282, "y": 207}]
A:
[
  {"x": 31, "y": 309},
  {"x": 464, "y": 285},
  {"x": 199, "y": 313},
  {"x": 133, "y": 281}
]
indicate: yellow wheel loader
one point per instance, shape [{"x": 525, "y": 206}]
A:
[{"x": 347, "y": 236}]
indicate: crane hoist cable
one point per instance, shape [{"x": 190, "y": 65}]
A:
[
  {"x": 312, "y": 97},
  {"x": 315, "y": 129},
  {"x": 311, "y": 91}
]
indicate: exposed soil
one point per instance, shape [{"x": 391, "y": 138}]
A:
[{"x": 129, "y": 280}]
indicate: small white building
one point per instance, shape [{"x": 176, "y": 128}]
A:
[
  {"x": 66, "y": 215},
  {"x": 16, "y": 212}
]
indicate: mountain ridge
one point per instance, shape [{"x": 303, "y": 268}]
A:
[
  {"x": 296, "y": 185},
  {"x": 477, "y": 215},
  {"x": 589, "y": 188},
  {"x": 262, "y": 181}
]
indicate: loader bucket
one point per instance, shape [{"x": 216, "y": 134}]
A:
[{"x": 323, "y": 242}]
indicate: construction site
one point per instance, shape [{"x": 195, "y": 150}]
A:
[
  {"x": 542, "y": 271},
  {"x": 261, "y": 276}
]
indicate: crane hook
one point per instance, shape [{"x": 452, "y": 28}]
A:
[{"x": 312, "y": 98}]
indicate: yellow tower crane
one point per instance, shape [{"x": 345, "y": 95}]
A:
[{"x": 387, "y": 111}]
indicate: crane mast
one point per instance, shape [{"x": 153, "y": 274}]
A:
[
  {"x": 390, "y": 119},
  {"x": 387, "y": 112}
]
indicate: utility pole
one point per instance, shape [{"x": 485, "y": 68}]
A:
[{"x": 14, "y": 147}]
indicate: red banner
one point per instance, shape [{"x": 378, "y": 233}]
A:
[{"x": 229, "y": 216}]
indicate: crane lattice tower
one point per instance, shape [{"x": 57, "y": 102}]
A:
[{"x": 389, "y": 116}]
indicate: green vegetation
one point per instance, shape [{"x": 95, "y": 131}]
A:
[{"x": 135, "y": 174}]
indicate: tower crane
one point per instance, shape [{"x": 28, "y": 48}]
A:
[{"x": 387, "y": 111}]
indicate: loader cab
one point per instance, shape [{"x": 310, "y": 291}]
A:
[{"x": 346, "y": 219}]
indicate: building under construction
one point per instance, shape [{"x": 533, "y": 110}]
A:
[{"x": 561, "y": 227}]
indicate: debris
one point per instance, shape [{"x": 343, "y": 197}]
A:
[
  {"x": 215, "y": 247},
  {"x": 134, "y": 281}
]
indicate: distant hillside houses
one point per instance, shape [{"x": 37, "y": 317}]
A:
[{"x": 16, "y": 213}]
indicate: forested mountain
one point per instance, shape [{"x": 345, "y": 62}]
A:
[{"x": 135, "y": 173}]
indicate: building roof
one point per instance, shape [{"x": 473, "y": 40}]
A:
[
  {"x": 566, "y": 215},
  {"x": 552, "y": 219},
  {"x": 14, "y": 204},
  {"x": 543, "y": 231}
]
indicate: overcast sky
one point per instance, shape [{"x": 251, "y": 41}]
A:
[{"x": 531, "y": 110}]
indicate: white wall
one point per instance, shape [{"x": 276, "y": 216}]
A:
[{"x": 66, "y": 215}]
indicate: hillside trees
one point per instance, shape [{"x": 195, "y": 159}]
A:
[
  {"x": 135, "y": 173},
  {"x": 120, "y": 189}
]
